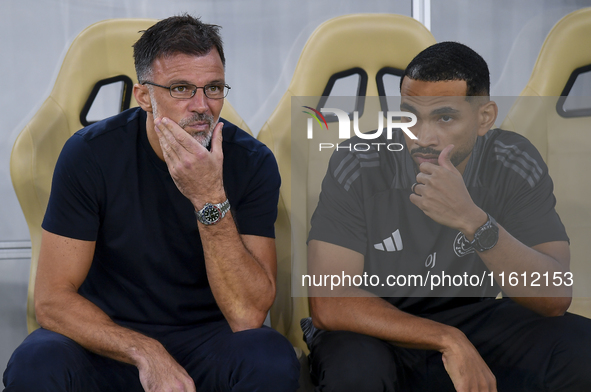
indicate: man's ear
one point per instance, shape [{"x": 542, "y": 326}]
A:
[
  {"x": 487, "y": 115},
  {"x": 142, "y": 96}
]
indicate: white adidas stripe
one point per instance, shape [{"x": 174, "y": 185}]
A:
[
  {"x": 397, "y": 239},
  {"x": 391, "y": 244}
]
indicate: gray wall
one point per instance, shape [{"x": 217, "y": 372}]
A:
[{"x": 263, "y": 40}]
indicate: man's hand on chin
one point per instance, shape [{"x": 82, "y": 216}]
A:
[
  {"x": 196, "y": 171},
  {"x": 442, "y": 195}
]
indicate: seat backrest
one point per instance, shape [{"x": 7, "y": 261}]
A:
[
  {"x": 99, "y": 53},
  {"x": 371, "y": 42},
  {"x": 563, "y": 139}
]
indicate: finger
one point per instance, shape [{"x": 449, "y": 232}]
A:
[
  {"x": 444, "y": 158},
  {"x": 189, "y": 382},
  {"x": 164, "y": 135},
  {"x": 178, "y": 138},
  {"x": 423, "y": 179},
  {"x": 418, "y": 189},
  {"x": 427, "y": 168},
  {"x": 165, "y": 139},
  {"x": 190, "y": 385},
  {"x": 416, "y": 200},
  {"x": 216, "y": 139}
]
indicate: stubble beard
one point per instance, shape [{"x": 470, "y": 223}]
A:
[{"x": 204, "y": 138}]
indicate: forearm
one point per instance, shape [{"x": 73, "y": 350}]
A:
[
  {"x": 68, "y": 313},
  {"x": 356, "y": 310},
  {"x": 243, "y": 288},
  {"x": 375, "y": 317},
  {"x": 511, "y": 256},
  {"x": 63, "y": 266},
  {"x": 366, "y": 314},
  {"x": 348, "y": 308}
]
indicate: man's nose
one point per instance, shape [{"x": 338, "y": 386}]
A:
[
  {"x": 426, "y": 134},
  {"x": 198, "y": 103}
]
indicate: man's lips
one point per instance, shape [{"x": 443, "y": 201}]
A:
[
  {"x": 420, "y": 158},
  {"x": 199, "y": 125}
]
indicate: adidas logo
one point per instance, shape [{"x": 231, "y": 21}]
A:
[{"x": 390, "y": 244}]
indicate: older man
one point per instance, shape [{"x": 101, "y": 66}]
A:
[{"x": 157, "y": 264}]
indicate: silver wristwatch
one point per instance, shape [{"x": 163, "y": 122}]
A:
[{"x": 211, "y": 214}]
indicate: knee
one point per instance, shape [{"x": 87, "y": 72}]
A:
[
  {"x": 569, "y": 374},
  {"x": 569, "y": 365},
  {"x": 39, "y": 363},
  {"x": 267, "y": 360},
  {"x": 343, "y": 361},
  {"x": 351, "y": 374}
]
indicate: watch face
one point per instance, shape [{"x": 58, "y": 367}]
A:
[
  {"x": 210, "y": 213},
  {"x": 489, "y": 237}
]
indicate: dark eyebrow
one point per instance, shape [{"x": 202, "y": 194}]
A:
[
  {"x": 179, "y": 82},
  {"x": 221, "y": 82},
  {"x": 445, "y": 110},
  {"x": 405, "y": 106},
  {"x": 217, "y": 82}
]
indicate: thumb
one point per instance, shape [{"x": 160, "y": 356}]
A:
[
  {"x": 217, "y": 138},
  {"x": 444, "y": 158}
]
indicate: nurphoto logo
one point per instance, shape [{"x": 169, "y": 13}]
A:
[{"x": 393, "y": 121}]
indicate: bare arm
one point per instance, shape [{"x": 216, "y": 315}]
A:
[
  {"x": 510, "y": 255},
  {"x": 241, "y": 272},
  {"x": 63, "y": 265},
  {"x": 442, "y": 195},
  {"x": 353, "y": 309},
  {"x": 241, "y": 269}
]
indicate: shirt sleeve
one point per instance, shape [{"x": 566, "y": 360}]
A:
[
  {"x": 529, "y": 210},
  {"x": 339, "y": 216},
  {"x": 74, "y": 203},
  {"x": 257, "y": 211}
]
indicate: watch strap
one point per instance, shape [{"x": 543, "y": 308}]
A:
[
  {"x": 486, "y": 236},
  {"x": 205, "y": 216}
]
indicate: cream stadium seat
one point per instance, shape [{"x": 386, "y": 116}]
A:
[
  {"x": 101, "y": 54},
  {"x": 369, "y": 45},
  {"x": 563, "y": 137}
]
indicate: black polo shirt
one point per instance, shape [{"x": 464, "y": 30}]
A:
[
  {"x": 109, "y": 186},
  {"x": 365, "y": 206}
]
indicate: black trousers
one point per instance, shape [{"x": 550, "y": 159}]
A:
[
  {"x": 216, "y": 358},
  {"x": 525, "y": 352}
]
